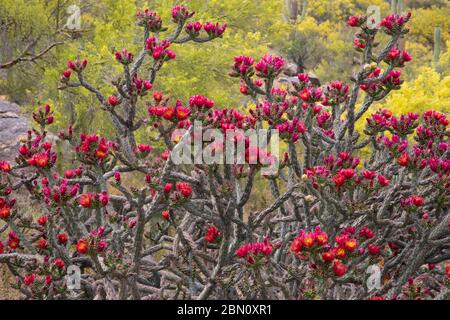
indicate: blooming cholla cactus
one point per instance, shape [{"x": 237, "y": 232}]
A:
[{"x": 187, "y": 231}]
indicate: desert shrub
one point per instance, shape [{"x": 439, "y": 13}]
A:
[{"x": 182, "y": 233}]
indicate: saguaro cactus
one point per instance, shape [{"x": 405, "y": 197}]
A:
[{"x": 437, "y": 45}]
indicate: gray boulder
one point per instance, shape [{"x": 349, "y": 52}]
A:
[{"x": 13, "y": 126}]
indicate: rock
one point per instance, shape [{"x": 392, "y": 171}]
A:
[{"x": 13, "y": 126}]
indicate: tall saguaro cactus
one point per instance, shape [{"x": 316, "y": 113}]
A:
[{"x": 437, "y": 44}]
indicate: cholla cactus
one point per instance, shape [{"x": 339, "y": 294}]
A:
[{"x": 188, "y": 231}]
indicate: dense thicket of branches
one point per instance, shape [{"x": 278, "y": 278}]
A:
[{"x": 333, "y": 216}]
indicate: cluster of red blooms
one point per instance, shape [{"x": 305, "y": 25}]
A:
[
  {"x": 346, "y": 173},
  {"x": 93, "y": 200},
  {"x": 430, "y": 135},
  {"x": 243, "y": 66},
  {"x": 159, "y": 49},
  {"x": 143, "y": 150},
  {"x": 92, "y": 148},
  {"x": 44, "y": 115},
  {"x": 35, "y": 153},
  {"x": 397, "y": 57},
  {"x": 150, "y": 19},
  {"x": 311, "y": 94},
  {"x": 71, "y": 173},
  {"x": 183, "y": 189},
  {"x": 193, "y": 28},
  {"x": 394, "y": 23},
  {"x": 391, "y": 81},
  {"x": 5, "y": 166},
  {"x": 41, "y": 160},
  {"x": 181, "y": 13},
  {"x": 175, "y": 114},
  {"x": 230, "y": 119},
  {"x": 252, "y": 252},
  {"x": 77, "y": 65},
  {"x": 336, "y": 92},
  {"x": 5, "y": 208},
  {"x": 58, "y": 193},
  {"x": 180, "y": 114},
  {"x": 356, "y": 21},
  {"x": 124, "y": 57},
  {"x": 415, "y": 200},
  {"x": 212, "y": 234},
  {"x": 316, "y": 244},
  {"x": 201, "y": 102},
  {"x": 291, "y": 129},
  {"x": 13, "y": 241},
  {"x": 272, "y": 112},
  {"x": 214, "y": 30},
  {"x": 139, "y": 86},
  {"x": 94, "y": 242},
  {"x": 269, "y": 66}
]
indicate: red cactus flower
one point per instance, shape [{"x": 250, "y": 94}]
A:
[
  {"x": 320, "y": 237},
  {"x": 296, "y": 245},
  {"x": 339, "y": 268},
  {"x": 67, "y": 73},
  {"x": 42, "y": 244},
  {"x": 85, "y": 200},
  {"x": 82, "y": 246},
  {"x": 212, "y": 234},
  {"x": 144, "y": 148},
  {"x": 62, "y": 238},
  {"x": 403, "y": 160},
  {"x": 69, "y": 174},
  {"x": 166, "y": 215},
  {"x": 103, "y": 198},
  {"x": 339, "y": 180},
  {"x": 185, "y": 189},
  {"x": 29, "y": 280},
  {"x": 42, "y": 220},
  {"x": 14, "y": 241},
  {"x": 340, "y": 252},
  {"x": 117, "y": 176},
  {"x": 354, "y": 21},
  {"x": 382, "y": 180},
  {"x": 368, "y": 174},
  {"x": 5, "y": 166},
  {"x": 101, "y": 245},
  {"x": 351, "y": 245},
  {"x": 113, "y": 101},
  {"x": 417, "y": 201},
  {"x": 39, "y": 160},
  {"x": 59, "y": 263},
  {"x": 365, "y": 232},
  {"x": 255, "y": 249},
  {"x": 168, "y": 187},
  {"x": 102, "y": 150},
  {"x": 328, "y": 256},
  {"x": 5, "y": 212},
  {"x": 373, "y": 249},
  {"x": 308, "y": 240}
]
